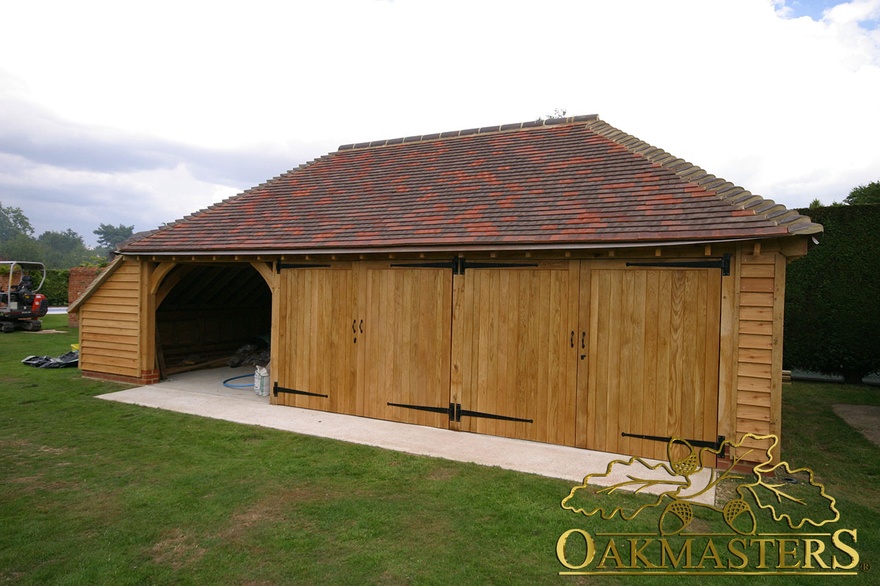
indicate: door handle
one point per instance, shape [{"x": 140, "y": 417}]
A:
[
  {"x": 583, "y": 340},
  {"x": 572, "y": 339}
]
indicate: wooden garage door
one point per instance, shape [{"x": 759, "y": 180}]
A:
[
  {"x": 316, "y": 357},
  {"x": 565, "y": 352},
  {"x": 358, "y": 338},
  {"x": 406, "y": 343},
  {"x": 653, "y": 357},
  {"x": 514, "y": 351}
]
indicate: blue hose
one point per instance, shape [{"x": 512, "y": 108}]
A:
[{"x": 247, "y": 386}]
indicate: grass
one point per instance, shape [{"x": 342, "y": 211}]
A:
[{"x": 97, "y": 492}]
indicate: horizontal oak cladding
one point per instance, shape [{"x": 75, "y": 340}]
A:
[
  {"x": 126, "y": 272},
  {"x": 117, "y": 287},
  {"x": 753, "y": 285},
  {"x": 755, "y": 356},
  {"x": 107, "y": 325},
  {"x": 112, "y": 312},
  {"x": 756, "y": 314},
  {"x": 105, "y": 347},
  {"x": 93, "y": 319},
  {"x": 753, "y": 412},
  {"x": 748, "y": 383},
  {"x": 108, "y": 334},
  {"x": 115, "y": 364},
  {"x": 110, "y": 326},
  {"x": 760, "y": 328},
  {"x": 755, "y": 398},
  {"x": 753, "y": 299},
  {"x": 753, "y": 370},
  {"x": 756, "y": 408},
  {"x": 755, "y": 342},
  {"x": 144, "y": 378},
  {"x": 97, "y": 302},
  {"x": 766, "y": 270},
  {"x": 757, "y": 427},
  {"x": 753, "y": 450},
  {"x": 755, "y": 443},
  {"x": 128, "y": 363}
]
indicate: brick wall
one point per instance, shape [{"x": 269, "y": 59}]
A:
[{"x": 79, "y": 280}]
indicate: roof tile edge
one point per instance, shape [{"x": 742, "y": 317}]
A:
[
  {"x": 723, "y": 189},
  {"x": 132, "y": 245}
]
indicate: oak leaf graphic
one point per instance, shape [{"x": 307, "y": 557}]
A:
[
  {"x": 788, "y": 494},
  {"x": 666, "y": 480}
]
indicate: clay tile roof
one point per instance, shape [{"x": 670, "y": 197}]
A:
[{"x": 567, "y": 182}]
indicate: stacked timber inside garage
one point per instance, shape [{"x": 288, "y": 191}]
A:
[{"x": 556, "y": 281}]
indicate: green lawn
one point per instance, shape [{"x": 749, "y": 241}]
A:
[{"x": 97, "y": 492}]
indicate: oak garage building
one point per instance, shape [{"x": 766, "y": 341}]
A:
[{"x": 557, "y": 281}]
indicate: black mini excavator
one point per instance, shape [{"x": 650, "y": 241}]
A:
[{"x": 21, "y": 306}]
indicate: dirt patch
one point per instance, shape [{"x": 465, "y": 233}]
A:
[
  {"x": 177, "y": 550},
  {"x": 270, "y": 509},
  {"x": 442, "y": 474},
  {"x": 864, "y": 418}
]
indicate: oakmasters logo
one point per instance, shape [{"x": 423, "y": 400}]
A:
[{"x": 772, "y": 520}]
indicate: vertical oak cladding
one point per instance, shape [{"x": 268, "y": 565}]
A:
[
  {"x": 110, "y": 326},
  {"x": 357, "y": 336},
  {"x": 654, "y": 355},
  {"x": 316, "y": 351},
  {"x": 404, "y": 325},
  {"x": 516, "y": 350},
  {"x": 570, "y": 352}
]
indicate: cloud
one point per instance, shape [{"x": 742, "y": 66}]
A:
[
  {"x": 65, "y": 175},
  {"x": 141, "y": 114}
]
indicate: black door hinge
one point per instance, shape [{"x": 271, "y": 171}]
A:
[
  {"x": 455, "y": 412},
  {"x": 695, "y": 443},
  {"x": 458, "y": 265},
  {"x": 276, "y": 389},
  {"x": 281, "y": 266},
  {"x": 722, "y": 263}
]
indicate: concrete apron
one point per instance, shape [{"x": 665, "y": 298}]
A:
[{"x": 203, "y": 393}]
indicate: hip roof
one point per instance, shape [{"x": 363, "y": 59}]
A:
[{"x": 567, "y": 182}]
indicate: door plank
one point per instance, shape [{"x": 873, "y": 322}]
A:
[
  {"x": 407, "y": 343},
  {"x": 521, "y": 361},
  {"x": 655, "y": 362}
]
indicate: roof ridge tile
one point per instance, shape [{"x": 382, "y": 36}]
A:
[{"x": 470, "y": 132}]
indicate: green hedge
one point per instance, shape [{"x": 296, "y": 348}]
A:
[
  {"x": 55, "y": 287},
  {"x": 832, "y": 296}
]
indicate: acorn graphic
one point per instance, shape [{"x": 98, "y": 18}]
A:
[
  {"x": 689, "y": 464},
  {"x": 676, "y": 516},
  {"x": 739, "y": 516}
]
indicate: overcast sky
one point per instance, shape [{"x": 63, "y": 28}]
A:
[{"x": 139, "y": 113}]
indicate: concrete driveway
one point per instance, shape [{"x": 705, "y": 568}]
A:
[{"x": 202, "y": 393}]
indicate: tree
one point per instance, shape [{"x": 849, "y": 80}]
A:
[
  {"x": 111, "y": 236},
  {"x": 22, "y": 247},
  {"x": 831, "y": 313},
  {"x": 862, "y": 194},
  {"x": 12, "y": 223},
  {"x": 63, "y": 250}
]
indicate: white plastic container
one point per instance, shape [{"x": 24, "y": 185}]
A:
[{"x": 261, "y": 382}]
